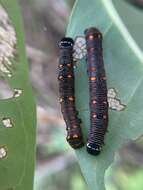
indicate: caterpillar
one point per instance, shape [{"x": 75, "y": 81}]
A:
[
  {"x": 66, "y": 91},
  {"x": 97, "y": 91}
]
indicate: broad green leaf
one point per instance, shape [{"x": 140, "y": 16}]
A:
[
  {"x": 132, "y": 18},
  {"x": 124, "y": 68},
  {"x": 17, "y": 168}
]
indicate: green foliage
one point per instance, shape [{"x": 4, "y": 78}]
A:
[
  {"x": 17, "y": 169},
  {"x": 123, "y": 62},
  {"x": 132, "y": 18}
]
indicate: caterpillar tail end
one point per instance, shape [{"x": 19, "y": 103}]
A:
[
  {"x": 76, "y": 143},
  {"x": 93, "y": 149}
]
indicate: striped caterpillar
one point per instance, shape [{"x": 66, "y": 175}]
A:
[
  {"x": 97, "y": 90},
  {"x": 66, "y": 91}
]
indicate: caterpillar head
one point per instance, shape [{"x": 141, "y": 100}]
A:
[
  {"x": 66, "y": 42},
  {"x": 93, "y": 149}
]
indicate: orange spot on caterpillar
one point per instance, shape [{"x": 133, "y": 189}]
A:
[
  {"x": 94, "y": 101},
  {"x": 75, "y": 136},
  {"x": 69, "y": 65},
  {"x": 69, "y": 76},
  {"x": 71, "y": 98},
  {"x": 91, "y": 37},
  {"x": 93, "y": 69},
  {"x": 93, "y": 78},
  {"x": 94, "y": 116}
]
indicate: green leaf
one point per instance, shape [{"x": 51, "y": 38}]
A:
[
  {"x": 17, "y": 168},
  {"x": 132, "y": 18},
  {"x": 124, "y": 68}
]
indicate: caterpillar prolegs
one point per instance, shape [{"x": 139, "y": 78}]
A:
[{"x": 66, "y": 91}]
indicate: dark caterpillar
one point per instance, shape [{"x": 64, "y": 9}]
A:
[
  {"x": 66, "y": 91},
  {"x": 98, "y": 91}
]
